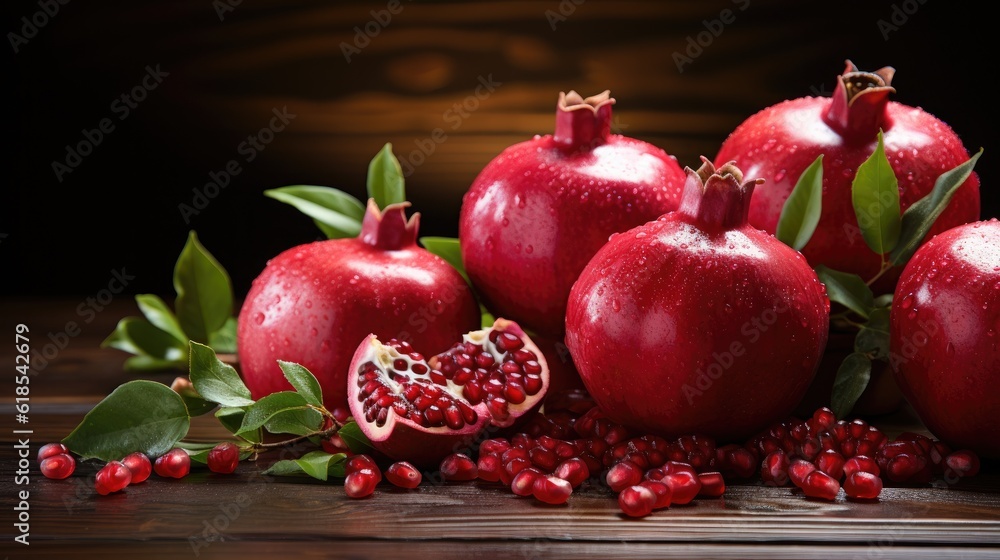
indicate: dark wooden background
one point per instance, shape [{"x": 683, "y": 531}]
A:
[{"x": 119, "y": 208}]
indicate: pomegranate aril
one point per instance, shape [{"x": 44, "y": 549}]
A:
[
  {"x": 50, "y": 449},
  {"x": 818, "y": 484},
  {"x": 832, "y": 463},
  {"x": 662, "y": 491},
  {"x": 175, "y": 463},
  {"x": 113, "y": 477},
  {"x": 824, "y": 418},
  {"x": 962, "y": 463},
  {"x": 684, "y": 486},
  {"x": 798, "y": 470},
  {"x": 58, "y": 466},
  {"x": 623, "y": 475},
  {"x": 861, "y": 463},
  {"x": 361, "y": 483},
  {"x": 139, "y": 465},
  {"x": 544, "y": 459},
  {"x": 637, "y": 501},
  {"x": 862, "y": 485},
  {"x": 574, "y": 471},
  {"x": 362, "y": 461},
  {"x": 458, "y": 467},
  {"x": 523, "y": 483},
  {"x": 774, "y": 469},
  {"x": 489, "y": 468},
  {"x": 224, "y": 458},
  {"x": 905, "y": 468},
  {"x": 712, "y": 484},
  {"x": 404, "y": 475},
  {"x": 551, "y": 489}
]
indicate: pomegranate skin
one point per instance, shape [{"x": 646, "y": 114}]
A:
[
  {"x": 698, "y": 322},
  {"x": 945, "y": 336},
  {"x": 779, "y": 142},
  {"x": 537, "y": 213},
  {"x": 314, "y": 304}
]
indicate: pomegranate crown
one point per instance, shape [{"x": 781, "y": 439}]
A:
[
  {"x": 389, "y": 229},
  {"x": 717, "y": 198},
  {"x": 583, "y": 122},
  {"x": 857, "y": 108}
]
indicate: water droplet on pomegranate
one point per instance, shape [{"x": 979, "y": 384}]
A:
[
  {"x": 313, "y": 331},
  {"x": 615, "y": 306},
  {"x": 325, "y": 346},
  {"x": 286, "y": 341},
  {"x": 308, "y": 303},
  {"x": 517, "y": 247},
  {"x": 907, "y": 302},
  {"x": 991, "y": 332},
  {"x": 640, "y": 235},
  {"x": 505, "y": 222},
  {"x": 684, "y": 245},
  {"x": 779, "y": 176},
  {"x": 912, "y": 314},
  {"x": 259, "y": 317},
  {"x": 848, "y": 172},
  {"x": 276, "y": 300},
  {"x": 354, "y": 280},
  {"x": 529, "y": 249}
]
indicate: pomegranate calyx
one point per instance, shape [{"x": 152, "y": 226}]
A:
[
  {"x": 717, "y": 198},
  {"x": 583, "y": 122},
  {"x": 388, "y": 229},
  {"x": 857, "y": 109}
]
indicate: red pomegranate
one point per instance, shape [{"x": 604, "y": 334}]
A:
[
  {"x": 698, "y": 322},
  {"x": 313, "y": 304},
  {"x": 540, "y": 210},
  {"x": 945, "y": 336},
  {"x": 779, "y": 142}
]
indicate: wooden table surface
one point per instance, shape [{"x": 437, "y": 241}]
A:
[{"x": 249, "y": 515}]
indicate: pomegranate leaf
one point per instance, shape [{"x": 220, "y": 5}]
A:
[
  {"x": 385, "y": 178},
  {"x": 204, "y": 291},
  {"x": 802, "y": 210},
  {"x": 195, "y": 403},
  {"x": 231, "y": 418},
  {"x": 145, "y": 363},
  {"x": 215, "y": 380},
  {"x": 262, "y": 411},
  {"x": 157, "y": 313},
  {"x": 354, "y": 438},
  {"x": 298, "y": 421},
  {"x": 875, "y": 195},
  {"x": 139, "y": 415},
  {"x": 448, "y": 249},
  {"x": 336, "y": 213},
  {"x": 138, "y": 336},
  {"x": 847, "y": 289},
  {"x": 317, "y": 464},
  {"x": 224, "y": 339},
  {"x": 304, "y": 382},
  {"x": 852, "y": 378},
  {"x": 921, "y": 215},
  {"x": 873, "y": 338}
]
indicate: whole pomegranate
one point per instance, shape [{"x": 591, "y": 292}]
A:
[
  {"x": 313, "y": 304},
  {"x": 536, "y": 214},
  {"x": 698, "y": 322},
  {"x": 945, "y": 336},
  {"x": 779, "y": 142}
]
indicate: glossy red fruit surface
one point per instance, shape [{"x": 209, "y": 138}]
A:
[
  {"x": 175, "y": 463},
  {"x": 224, "y": 458},
  {"x": 50, "y": 449},
  {"x": 58, "y": 466},
  {"x": 420, "y": 410},
  {"x": 698, "y": 322},
  {"x": 139, "y": 465},
  {"x": 404, "y": 475},
  {"x": 945, "y": 336},
  {"x": 113, "y": 477},
  {"x": 539, "y": 211},
  {"x": 313, "y": 304},
  {"x": 779, "y": 142}
]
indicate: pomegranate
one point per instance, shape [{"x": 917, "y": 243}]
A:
[
  {"x": 698, "y": 322},
  {"x": 313, "y": 304},
  {"x": 781, "y": 141},
  {"x": 421, "y": 410},
  {"x": 945, "y": 336},
  {"x": 540, "y": 210}
]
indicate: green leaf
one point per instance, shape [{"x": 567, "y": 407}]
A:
[
  {"x": 266, "y": 408},
  {"x": 297, "y": 421},
  {"x": 231, "y": 418},
  {"x": 137, "y": 416},
  {"x": 447, "y": 248},
  {"x": 303, "y": 381},
  {"x": 875, "y": 195},
  {"x": 317, "y": 464},
  {"x": 335, "y": 212},
  {"x": 802, "y": 210},
  {"x": 204, "y": 291},
  {"x": 355, "y": 438},
  {"x": 847, "y": 289},
  {"x": 921, "y": 215},
  {"x": 486, "y": 319},
  {"x": 195, "y": 403},
  {"x": 215, "y": 380},
  {"x": 385, "y": 178},
  {"x": 157, "y": 313},
  {"x": 884, "y": 300},
  {"x": 851, "y": 380},
  {"x": 224, "y": 339},
  {"x": 138, "y": 336},
  {"x": 873, "y": 338},
  {"x": 145, "y": 363}
]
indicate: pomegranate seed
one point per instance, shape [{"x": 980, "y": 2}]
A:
[
  {"x": 224, "y": 458},
  {"x": 493, "y": 447},
  {"x": 139, "y": 465},
  {"x": 551, "y": 489},
  {"x": 574, "y": 471},
  {"x": 818, "y": 484},
  {"x": 361, "y": 483},
  {"x": 522, "y": 441},
  {"x": 175, "y": 463},
  {"x": 544, "y": 459},
  {"x": 637, "y": 501},
  {"x": 684, "y": 486},
  {"x": 489, "y": 468},
  {"x": 798, "y": 470},
  {"x": 623, "y": 475},
  {"x": 862, "y": 485},
  {"x": 905, "y": 467},
  {"x": 58, "y": 466},
  {"x": 832, "y": 463},
  {"x": 113, "y": 477},
  {"x": 861, "y": 463},
  {"x": 458, "y": 467},
  {"x": 50, "y": 449},
  {"x": 404, "y": 475},
  {"x": 523, "y": 483},
  {"x": 712, "y": 484},
  {"x": 824, "y": 418},
  {"x": 774, "y": 469},
  {"x": 962, "y": 463},
  {"x": 662, "y": 491},
  {"x": 362, "y": 461},
  {"x": 939, "y": 451}
]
